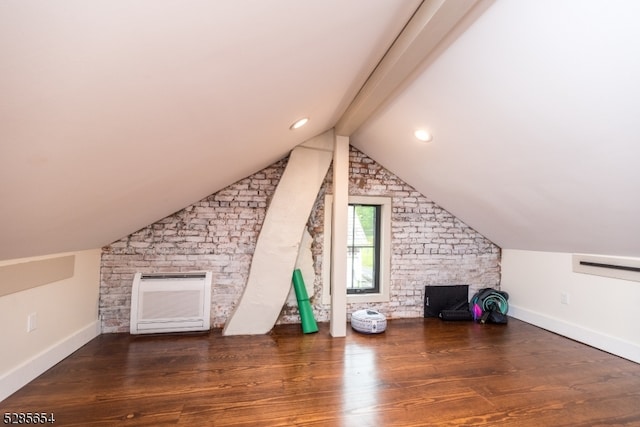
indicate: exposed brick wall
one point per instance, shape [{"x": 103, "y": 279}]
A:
[
  {"x": 429, "y": 246},
  {"x": 219, "y": 233}
]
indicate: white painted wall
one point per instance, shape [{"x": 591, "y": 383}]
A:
[
  {"x": 601, "y": 312},
  {"x": 67, "y": 318}
]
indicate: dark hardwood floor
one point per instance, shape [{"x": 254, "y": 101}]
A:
[{"x": 419, "y": 372}]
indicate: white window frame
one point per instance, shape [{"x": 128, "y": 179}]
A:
[{"x": 385, "y": 249}]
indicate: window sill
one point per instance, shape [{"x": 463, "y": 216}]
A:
[
  {"x": 353, "y": 298},
  {"x": 358, "y": 298}
]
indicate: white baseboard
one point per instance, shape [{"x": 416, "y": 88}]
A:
[
  {"x": 608, "y": 343},
  {"x": 21, "y": 375}
]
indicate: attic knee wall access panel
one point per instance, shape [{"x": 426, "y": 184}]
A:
[
  {"x": 27, "y": 275},
  {"x": 277, "y": 247}
]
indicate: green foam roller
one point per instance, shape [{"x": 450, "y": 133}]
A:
[
  {"x": 298, "y": 285},
  {"x": 309, "y": 324}
]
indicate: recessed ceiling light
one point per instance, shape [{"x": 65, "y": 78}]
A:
[
  {"x": 423, "y": 135},
  {"x": 299, "y": 123}
]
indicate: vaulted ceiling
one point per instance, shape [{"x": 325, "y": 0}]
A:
[{"x": 116, "y": 114}]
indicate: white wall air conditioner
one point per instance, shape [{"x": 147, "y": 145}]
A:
[{"x": 171, "y": 302}]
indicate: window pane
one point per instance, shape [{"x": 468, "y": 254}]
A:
[
  {"x": 362, "y": 263},
  {"x": 366, "y": 217}
]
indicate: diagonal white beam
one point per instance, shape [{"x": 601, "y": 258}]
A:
[
  {"x": 277, "y": 247},
  {"x": 434, "y": 25}
]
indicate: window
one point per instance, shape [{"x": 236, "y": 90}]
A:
[
  {"x": 368, "y": 251},
  {"x": 363, "y": 249}
]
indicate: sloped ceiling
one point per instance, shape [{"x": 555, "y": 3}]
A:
[
  {"x": 116, "y": 114},
  {"x": 535, "y": 116}
]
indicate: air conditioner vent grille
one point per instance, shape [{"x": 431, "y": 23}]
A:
[
  {"x": 173, "y": 276},
  {"x": 607, "y": 266},
  {"x": 170, "y": 302}
]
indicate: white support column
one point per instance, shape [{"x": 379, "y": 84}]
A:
[{"x": 338, "y": 321}]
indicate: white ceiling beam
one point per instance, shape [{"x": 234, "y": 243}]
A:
[{"x": 434, "y": 25}]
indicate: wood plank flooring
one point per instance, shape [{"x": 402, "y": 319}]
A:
[{"x": 420, "y": 372}]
